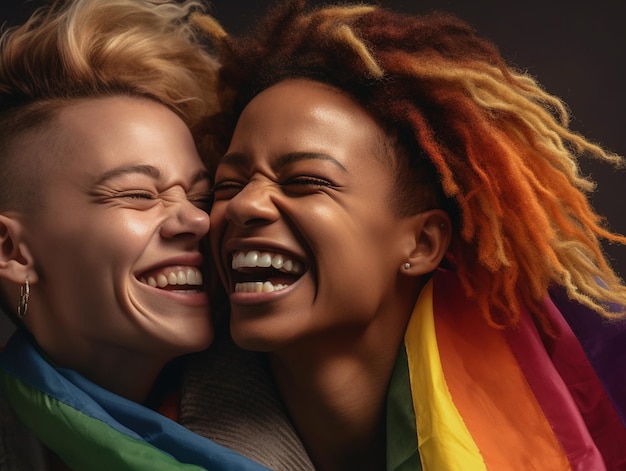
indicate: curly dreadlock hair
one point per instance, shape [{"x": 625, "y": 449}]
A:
[{"x": 500, "y": 145}]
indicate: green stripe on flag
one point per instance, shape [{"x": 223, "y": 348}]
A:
[
  {"x": 402, "y": 451},
  {"x": 84, "y": 443}
]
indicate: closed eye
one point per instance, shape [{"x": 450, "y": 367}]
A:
[
  {"x": 226, "y": 189},
  {"x": 137, "y": 195},
  {"x": 202, "y": 200},
  {"x": 306, "y": 184},
  {"x": 308, "y": 181}
]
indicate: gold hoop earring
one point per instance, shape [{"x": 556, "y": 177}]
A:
[{"x": 24, "y": 297}]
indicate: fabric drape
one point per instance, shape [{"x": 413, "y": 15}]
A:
[
  {"x": 465, "y": 395},
  {"x": 93, "y": 429}
]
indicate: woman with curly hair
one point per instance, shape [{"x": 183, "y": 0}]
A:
[{"x": 401, "y": 222}]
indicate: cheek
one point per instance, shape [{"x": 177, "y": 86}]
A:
[
  {"x": 92, "y": 241},
  {"x": 358, "y": 260},
  {"x": 132, "y": 227},
  {"x": 218, "y": 219},
  {"x": 217, "y": 216}
]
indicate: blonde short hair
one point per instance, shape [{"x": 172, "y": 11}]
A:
[{"x": 82, "y": 49}]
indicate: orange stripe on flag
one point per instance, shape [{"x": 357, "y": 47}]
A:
[
  {"x": 443, "y": 440},
  {"x": 489, "y": 389}
]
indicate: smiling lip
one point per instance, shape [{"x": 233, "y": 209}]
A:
[
  {"x": 263, "y": 271},
  {"x": 181, "y": 273},
  {"x": 181, "y": 284},
  {"x": 177, "y": 278}
]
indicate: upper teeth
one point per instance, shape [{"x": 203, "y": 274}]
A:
[
  {"x": 254, "y": 258},
  {"x": 188, "y": 276}
]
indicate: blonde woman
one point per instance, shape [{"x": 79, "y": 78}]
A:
[{"x": 103, "y": 209}]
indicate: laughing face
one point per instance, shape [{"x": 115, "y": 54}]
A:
[
  {"x": 308, "y": 241},
  {"x": 116, "y": 240}
]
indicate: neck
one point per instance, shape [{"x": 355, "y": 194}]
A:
[
  {"x": 336, "y": 394},
  {"x": 132, "y": 378},
  {"x": 125, "y": 371},
  {"x": 129, "y": 374},
  {"x": 338, "y": 410}
]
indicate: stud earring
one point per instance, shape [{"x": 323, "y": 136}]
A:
[
  {"x": 24, "y": 297},
  {"x": 407, "y": 265}
]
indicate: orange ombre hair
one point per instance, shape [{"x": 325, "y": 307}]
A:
[{"x": 488, "y": 136}]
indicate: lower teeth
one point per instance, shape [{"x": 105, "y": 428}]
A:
[{"x": 258, "y": 287}]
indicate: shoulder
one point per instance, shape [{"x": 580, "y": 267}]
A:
[{"x": 229, "y": 397}]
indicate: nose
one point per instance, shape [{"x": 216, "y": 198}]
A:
[
  {"x": 185, "y": 218},
  {"x": 253, "y": 205}
]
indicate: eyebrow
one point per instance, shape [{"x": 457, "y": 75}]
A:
[
  {"x": 147, "y": 170},
  {"x": 240, "y": 159}
]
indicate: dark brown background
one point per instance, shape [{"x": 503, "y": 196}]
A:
[{"x": 577, "y": 51}]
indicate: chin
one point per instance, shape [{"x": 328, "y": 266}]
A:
[
  {"x": 190, "y": 341},
  {"x": 252, "y": 343},
  {"x": 265, "y": 332},
  {"x": 204, "y": 342},
  {"x": 253, "y": 340}
]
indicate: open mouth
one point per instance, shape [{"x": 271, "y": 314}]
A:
[
  {"x": 187, "y": 279},
  {"x": 264, "y": 272}
]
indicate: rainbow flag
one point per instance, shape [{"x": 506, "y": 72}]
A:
[
  {"x": 466, "y": 396},
  {"x": 92, "y": 429}
]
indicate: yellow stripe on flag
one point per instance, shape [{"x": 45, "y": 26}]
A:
[{"x": 444, "y": 442}]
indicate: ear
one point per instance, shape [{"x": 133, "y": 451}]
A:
[
  {"x": 432, "y": 234},
  {"x": 16, "y": 261}
]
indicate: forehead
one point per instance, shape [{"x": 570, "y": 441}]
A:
[
  {"x": 94, "y": 137},
  {"x": 119, "y": 127},
  {"x": 306, "y": 99},
  {"x": 303, "y": 113}
]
